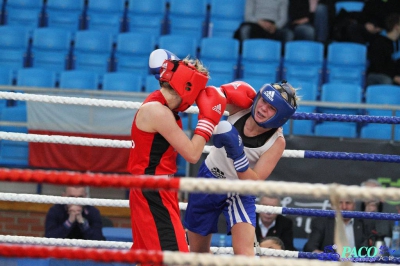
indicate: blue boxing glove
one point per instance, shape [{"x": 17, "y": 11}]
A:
[
  {"x": 157, "y": 58},
  {"x": 228, "y": 137}
]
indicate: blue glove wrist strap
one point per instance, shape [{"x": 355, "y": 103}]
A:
[{"x": 241, "y": 163}]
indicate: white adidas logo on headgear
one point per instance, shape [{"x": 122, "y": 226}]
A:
[
  {"x": 270, "y": 95},
  {"x": 217, "y": 108}
]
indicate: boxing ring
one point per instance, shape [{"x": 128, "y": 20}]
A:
[{"x": 119, "y": 252}]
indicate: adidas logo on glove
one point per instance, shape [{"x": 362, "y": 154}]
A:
[{"x": 217, "y": 108}]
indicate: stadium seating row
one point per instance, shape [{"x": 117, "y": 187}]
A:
[
  {"x": 196, "y": 17},
  {"x": 303, "y": 62}
]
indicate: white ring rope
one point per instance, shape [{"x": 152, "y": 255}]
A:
[
  {"x": 62, "y": 200},
  {"x": 307, "y": 190},
  {"x": 30, "y": 240},
  {"x": 294, "y": 189},
  {"x": 17, "y": 96},
  {"x": 34, "y": 198},
  {"x": 83, "y": 141}
]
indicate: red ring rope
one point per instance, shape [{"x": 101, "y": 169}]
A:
[
  {"x": 97, "y": 180},
  {"x": 100, "y": 255}
]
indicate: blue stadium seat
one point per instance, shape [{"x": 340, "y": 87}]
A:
[
  {"x": 180, "y": 45},
  {"x": 117, "y": 234},
  {"x": 79, "y": 79},
  {"x": 26, "y": 13},
  {"x": 6, "y": 76},
  {"x": 349, "y": 6},
  {"x": 299, "y": 243},
  {"x": 66, "y": 14},
  {"x": 122, "y": 81},
  {"x": 341, "y": 93},
  {"x": 346, "y": 63},
  {"x": 221, "y": 240},
  {"x": 216, "y": 80},
  {"x": 188, "y": 18},
  {"x": 151, "y": 84},
  {"x": 51, "y": 48},
  {"x": 256, "y": 82},
  {"x": 307, "y": 91},
  {"x": 220, "y": 55},
  {"x": 92, "y": 51},
  {"x": 300, "y": 127},
  {"x": 14, "y": 153},
  {"x": 262, "y": 58},
  {"x": 14, "y": 43},
  {"x": 105, "y": 15},
  {"x": 225, "y": 18},
  {"x": 147, "y": 16},
  {"x": 36, "y": 77},
  {"x": 182, "y": 166},
  {"x": 380, "y": 94},
  {"x": 336, "y": 129},
  {"x": 377, "y": 131},
  {"x": 132, "y": 52},
  {"x": 303, "y": 60}
]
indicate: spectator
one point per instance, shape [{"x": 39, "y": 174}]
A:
[
  {"x": 384, "y": 54},
  {"x": 383, "y": 228},
  {"x": 276, "y": 225},
  {"x": 300, "y": 24},
  {"x": 371, "y": 21},
  {"x": 322, "y": 230},
  {"x": 272, "y": 242},
  {"x": 264, "y": 19},
  {"x": 322, "y": 15},
  {"x": 74, "y": 221}
]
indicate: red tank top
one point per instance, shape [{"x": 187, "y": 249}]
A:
[{"x": 151, "y": 153}]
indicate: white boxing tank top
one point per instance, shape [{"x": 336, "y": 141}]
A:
[{"x": 222, "y": 167}]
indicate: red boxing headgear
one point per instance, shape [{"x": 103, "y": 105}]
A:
[{"x": 186, "y": 80}]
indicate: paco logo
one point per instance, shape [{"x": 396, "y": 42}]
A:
[
  {"x": 362, "y": 254},
  {"x": 269, "y": 95}
]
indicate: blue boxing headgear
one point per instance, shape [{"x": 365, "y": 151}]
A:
[{"x": 282, "y": 97}]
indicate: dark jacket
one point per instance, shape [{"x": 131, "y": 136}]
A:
[
  {"x": 56, "y": 225},
  {"x": 322, "y": 233},
  {"x": 380, "y": 55},
  {"x": 283, "y": 229}
]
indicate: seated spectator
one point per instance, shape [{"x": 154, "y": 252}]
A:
[
  {"x": 384, "y": 54},
  {"x": 369, "y": 23},
  {"x": 74, "y": 221},
  {"x": 272, "y": 242},
  {"x": 274, "y": 224},
  {"x": 264, "y": 19},
  {"x": 300, "y": 25},
  {"x": 322, "y": 16},
  {"x": 383, "y": 228},
  {"x": 322, "y": 230}
]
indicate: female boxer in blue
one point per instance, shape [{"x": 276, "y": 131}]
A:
[{"x": 246, "y": 147}]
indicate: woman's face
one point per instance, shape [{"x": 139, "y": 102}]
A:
[{"x": 263, "y": 111}]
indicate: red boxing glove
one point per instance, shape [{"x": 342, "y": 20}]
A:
[
  {"x": 239, "y": 93},
  {"x": 211, "y": 103}
]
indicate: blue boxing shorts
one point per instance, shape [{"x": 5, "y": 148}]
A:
[{"x": 204, "y": 209}]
